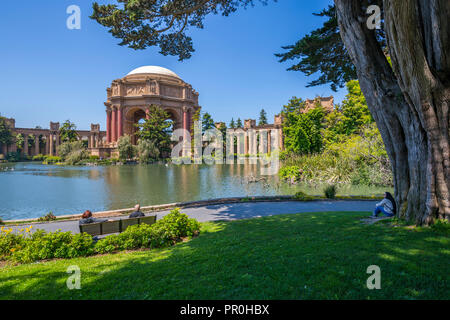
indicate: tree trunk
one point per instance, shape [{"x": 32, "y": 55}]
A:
[{"x": 409, "y": 106}]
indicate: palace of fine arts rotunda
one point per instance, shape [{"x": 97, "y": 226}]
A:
[{"x": 128, "y": 101}]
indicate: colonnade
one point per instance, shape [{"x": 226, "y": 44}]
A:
[
  {"x": 254, "y": 141},
  {"x": 46, "y": 141},
  {"x": 115, "y": 120}
]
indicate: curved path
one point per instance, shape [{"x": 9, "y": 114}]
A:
[{"x": 236, "y": 211}]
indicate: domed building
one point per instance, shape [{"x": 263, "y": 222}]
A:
[{"x": 129, "y": 100}]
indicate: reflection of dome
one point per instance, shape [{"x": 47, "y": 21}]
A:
[{"x": 154, "y": 70}]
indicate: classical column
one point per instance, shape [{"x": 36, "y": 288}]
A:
[
  {"x": 185, "y": 127},
  {"x": 246, "y": 137},
  {"x": 120, "y": 123},
  {"x": 276, "y": 140},
  {"x": 47, "y": 145},
  {"x": 91, "y": 141},
  {"x": 269, "y": 141},
  {"x": 185, "y": 118},
  {"x": 108, "y": 125},
  {"x": 25, "y": 144},
  {"x": 114, "y": 125},
  {"x": 189, "y": 121},
  {"x": 253, "y": 142},
  {"x": 280, "y": 139},
  {"x": 262, "y": 141},
  {"x": 240, "y": 141},
  {"x": 36, "y": 145},
  {"x": 147, "y": 113},
  {"x": 56, "y": 143},
  {"x": 51, "y": 145}
]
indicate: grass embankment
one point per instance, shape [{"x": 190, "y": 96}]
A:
[{"x": 302, "y": 256}]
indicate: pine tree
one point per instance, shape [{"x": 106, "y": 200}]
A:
[
  {"x": 262, "y": 117},
  {"x": 207, "y": 122},
  {"x": 68, "y": 132},
  {"x": 5, "y": 132},
  {"x": 156, "y": 129},
  {"x": 239, "y": 123},
  {"x": 232, "y": 124}
]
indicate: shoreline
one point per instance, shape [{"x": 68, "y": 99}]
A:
[{"x": 190, "y": 204}]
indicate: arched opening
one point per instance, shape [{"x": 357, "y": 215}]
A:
[
  {"x": 138, "y": 119},
  {"x": 135, "y": 117},
  {"x": 172, "y": 121}
]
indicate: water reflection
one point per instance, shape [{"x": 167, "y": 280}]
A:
[{"x": 31, "y": 190}]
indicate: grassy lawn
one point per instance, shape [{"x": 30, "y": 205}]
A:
[{"x": 301, "y": 256}]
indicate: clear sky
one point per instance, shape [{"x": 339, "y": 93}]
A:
[{"x": 51, "y": 73}]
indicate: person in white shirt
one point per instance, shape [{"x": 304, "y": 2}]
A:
[{"x": 386, "y": 206}]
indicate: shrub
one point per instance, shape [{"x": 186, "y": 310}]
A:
[
  {"x": 330, "y": 192},
  {"x": 9, "y": 241},
  {"x": 147, "y": 150},
  {"x": 358, "y": 158},
  {"x": 178, "y": 225},
  {"x": 42, "y": 245},
  {"x": 126, "y": 149},
  {"x": 165, "y": 232},
  {"x": 25, "y": 247},
  {"x": 291, "y": 173},
  {"x": 301, "y": 196},
  {"x": 52, "y": 159},
  {"x": 48, "y": 217},
  {"x": 13, "y": 156},
  {"x": 76, "y": 157},
  {"x": 94, "y": 158},
  {"x": 441, "y": 226},
  {"x": 39, "y": 157},
  {"x": 72, "y": 152},
  {"x": 108, "y": 244}
]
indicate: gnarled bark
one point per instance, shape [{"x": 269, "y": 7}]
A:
[{"x": 409, "y": 106}]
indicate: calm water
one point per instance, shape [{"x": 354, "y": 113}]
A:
[{"x": 29, "y": 190}]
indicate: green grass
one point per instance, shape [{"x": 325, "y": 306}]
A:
[{"x": 302, "y": 256}]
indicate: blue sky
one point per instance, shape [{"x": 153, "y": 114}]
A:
[{"x": 51, "y": 73}]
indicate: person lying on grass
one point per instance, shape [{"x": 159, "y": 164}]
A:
[{"x": 387, "y": 206}]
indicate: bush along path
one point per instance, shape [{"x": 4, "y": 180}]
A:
[{"x": 26, "y": 247}]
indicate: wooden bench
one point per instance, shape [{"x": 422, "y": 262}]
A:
[{"x": 116, "y": 226}]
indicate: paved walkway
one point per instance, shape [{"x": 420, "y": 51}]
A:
[{"x": 236, "y": 211}]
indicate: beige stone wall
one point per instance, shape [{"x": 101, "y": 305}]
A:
[
  {"x": 50, "y": 138},
  {"x": 326, "y": 102}
]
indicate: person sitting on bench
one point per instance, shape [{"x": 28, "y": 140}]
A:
[
  {"x": 87, "y": 218},
  {"x": 137, "y": 212}
]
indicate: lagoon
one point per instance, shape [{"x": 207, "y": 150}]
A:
[{"x": 31, "y": 190}]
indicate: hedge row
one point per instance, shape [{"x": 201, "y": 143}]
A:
[{"x": 26, "y": 247}]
